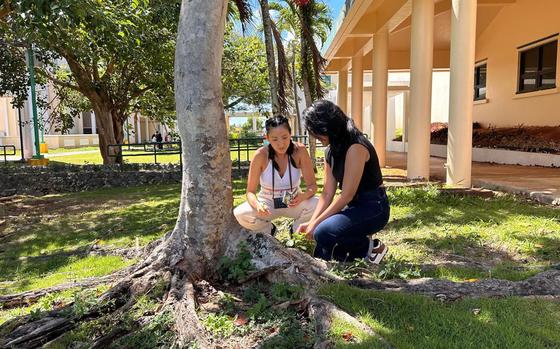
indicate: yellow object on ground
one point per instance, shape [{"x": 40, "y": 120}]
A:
[
  {"x": 44, "y": 147},
  {"x": 38, "y": 162}
]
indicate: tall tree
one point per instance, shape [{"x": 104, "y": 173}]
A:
[
  {"x": 270, "y": 57},
  {"x": 117, "y": 52},
  {"x": 244, "y": 70},
  {"x": 205, "y": 229}
]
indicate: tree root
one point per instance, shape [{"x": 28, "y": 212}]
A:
[
  {"x": 546, "y": 283},
  {"x": 324, "y": 312},
  {"x": 30, "y": 297}
]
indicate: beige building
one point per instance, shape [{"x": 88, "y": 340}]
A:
[
  {"x": 500, "y": 57},
  {"x": 138, "y": 129}
]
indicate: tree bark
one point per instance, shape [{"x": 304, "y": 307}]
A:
[
  {"x": 312, "y": 142},
  {"x": 205, "y": 211},
  {"x": 106, "y": 133},
  {"x": 267, "y": 28},
  {"x": 296, "y": 99}
]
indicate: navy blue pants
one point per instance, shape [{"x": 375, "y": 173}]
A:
[{"x": 344, "y": 236}]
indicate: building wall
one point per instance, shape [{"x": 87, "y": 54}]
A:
[{"x": 515, "y": 25}]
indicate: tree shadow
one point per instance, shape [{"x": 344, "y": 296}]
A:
[{"x": 408, "y": 321}]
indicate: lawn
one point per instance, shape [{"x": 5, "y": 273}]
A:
[{"x": 431, "y": 233}]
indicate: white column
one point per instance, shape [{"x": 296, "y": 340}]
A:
[
  {"x": 342, "y": 90},
  {"x": 254, "y": 124},
  {"x": 93, "y": 123},
  {"x": 406, "y": 117},
  {"x": 357, "y": 89},
  {"x": 138, "y": 130},
  {"x": 28, "y": 136},
  {"x": 421, "y": 64},
  {"x": 379, "y": 94},
  {"x": 459, "y": 141}
]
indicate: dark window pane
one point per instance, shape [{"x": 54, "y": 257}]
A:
[
  {"x": 482, "y": 75},
  {"x": 482, "y": 93},
  {"x": 529, "y": 82},
  {"x": 530, "y": 61},
  {"x": 549, "y": 56},
  {"x": 548, "y": 80}
]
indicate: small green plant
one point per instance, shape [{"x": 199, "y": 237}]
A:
[
  {"x": 83, "y": 302},
  {"x": 219, "y": 324},
  {"x": 395, "y": 268},
  {"x": 227, "y": 303},
  {"x": 282, "y": 292},
  {"x": 158, "y": 333},
  {"x": 259, "y": 310},
  {"x": 300, "y": 241},
  {"x": 351, "y": 270},
  {"x": 234, "y": 270}
]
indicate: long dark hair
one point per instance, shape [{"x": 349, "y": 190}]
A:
[
  {"x": 273, "y": 122},
  {"x": 324, "y": 118}
]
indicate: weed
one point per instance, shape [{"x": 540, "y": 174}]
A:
[{"x": 234, "y": 270}]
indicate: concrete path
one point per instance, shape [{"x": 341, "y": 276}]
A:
[
  {"x": 53, "y": 155},
  {"x": 539, "y": 183}
]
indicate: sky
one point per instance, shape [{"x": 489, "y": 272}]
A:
[{"x": 335, "y": 6}]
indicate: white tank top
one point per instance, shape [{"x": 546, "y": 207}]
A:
[{"x": 281, "y": 184}]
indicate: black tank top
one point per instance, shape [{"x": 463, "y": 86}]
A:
[{"x": 371, "y": 177}]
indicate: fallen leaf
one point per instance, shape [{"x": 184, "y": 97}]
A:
[
  {"x": 471, "y": 280},
  {"x": 240, "y": 320},
  {"x": 539, "y": 245},
  {"x": 475, "y": 311},
  {"x": 348, "y": 336}
]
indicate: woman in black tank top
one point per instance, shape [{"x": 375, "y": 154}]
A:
[{"x": 342, "y": 227}]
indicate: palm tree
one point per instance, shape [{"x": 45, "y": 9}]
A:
[{"x": 308, "y": 20}]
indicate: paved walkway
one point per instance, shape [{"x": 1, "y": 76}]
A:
[
  {"x": 54, "y": 155},
  {"x": 539, "y": 183}
]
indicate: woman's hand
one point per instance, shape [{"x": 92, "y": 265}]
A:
[
  {"x": 308, "y": 228},
  {"x": 262, "y": 209},
  {"x": 296, "y": 200}
]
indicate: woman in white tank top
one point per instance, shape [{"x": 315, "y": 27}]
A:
[{"x": 277, "y": 169}]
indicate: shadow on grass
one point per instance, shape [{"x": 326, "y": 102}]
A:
[
  {"x": 465, "y": 225},
  {"x": 409, "y": 321}
]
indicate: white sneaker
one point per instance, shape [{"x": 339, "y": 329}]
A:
[{"x": 377, "y": 250}]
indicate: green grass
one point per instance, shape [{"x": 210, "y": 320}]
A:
[
  {"x": 511, "y": 238},
  {"x": 411, "y": 321},
  {"x": 501, "y": 237}
]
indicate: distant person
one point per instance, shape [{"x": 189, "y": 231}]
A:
[
  {"x": 159, "y": 140},
  {"x": 277, "y": 168},
  {"x": 342, "y": 226}
]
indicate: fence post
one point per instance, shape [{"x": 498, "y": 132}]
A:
[
  {"x": 155, "y": 153},
  {"x": 238, "y": 155}
]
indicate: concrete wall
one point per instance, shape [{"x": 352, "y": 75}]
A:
[{"x": 515, "y": 25}]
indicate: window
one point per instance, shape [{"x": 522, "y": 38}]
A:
[
  {"x": 480, "y": 82},
  {"x": 537, "y": 68}
]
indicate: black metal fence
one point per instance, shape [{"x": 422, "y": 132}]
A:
[
  {"x": 4, "y": 151},
  {"x": 240, "y": 148}
]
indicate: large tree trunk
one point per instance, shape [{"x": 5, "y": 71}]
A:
[
  {"x": 106, "y": 133},
  {"x": 267, "y": 28},
  {"x": 206, "y": 197}
]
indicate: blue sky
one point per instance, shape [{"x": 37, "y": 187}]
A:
[{"x": 335, "y": 6}]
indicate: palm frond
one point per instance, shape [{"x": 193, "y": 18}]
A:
[
  {"x": 243, "y": 11},
  {"x": 284, "y": 77}
]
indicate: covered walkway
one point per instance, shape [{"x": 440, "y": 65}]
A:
[{"x": 539, "y": 183}]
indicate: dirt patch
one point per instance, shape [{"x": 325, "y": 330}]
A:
[{"x": 523, "y": 138}]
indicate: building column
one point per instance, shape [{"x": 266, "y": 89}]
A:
[
  {"x": 421, "y": 65},
  {"x": 379, "y": 93},
  {"x": 357, "y": 89},
  {"x": 93, "y": 123},
  {"x": 459, "y": 141},
  {"x": 342, "y": 90}
]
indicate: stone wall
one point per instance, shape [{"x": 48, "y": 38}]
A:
[{"x": 18, "y": 179}]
